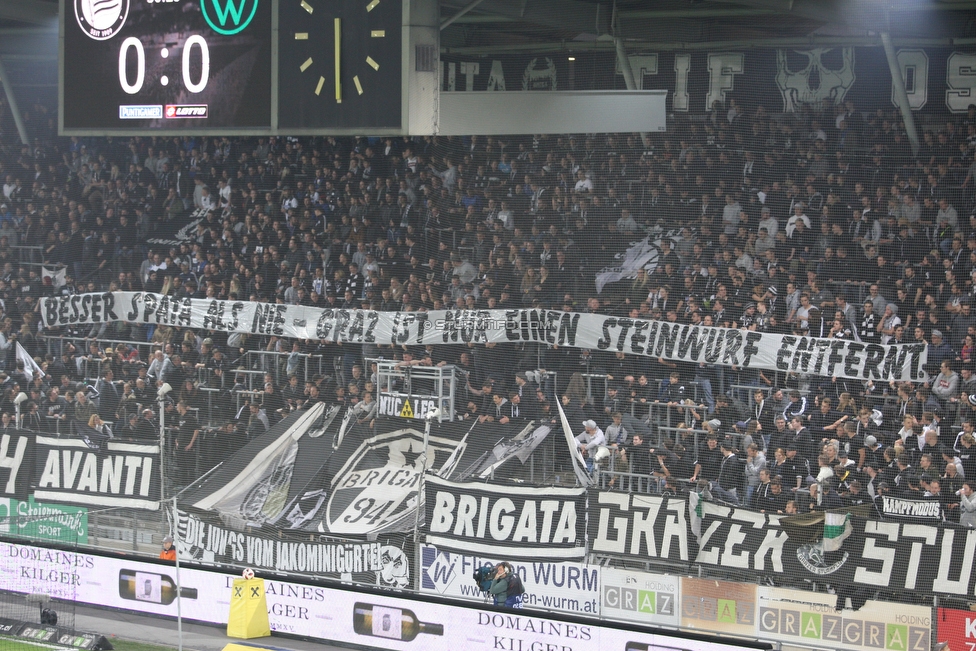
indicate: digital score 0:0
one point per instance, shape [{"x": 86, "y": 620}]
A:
[{"x": 166, "y": 64}]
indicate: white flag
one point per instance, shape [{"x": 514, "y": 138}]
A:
[
  {"x": 837, "y": 528},
  {"x": 696, "y": 510},
  {"x": 58, "y": 276},
  {"x": 30, "y": 366},
  {"x": 579, "y": 464}
]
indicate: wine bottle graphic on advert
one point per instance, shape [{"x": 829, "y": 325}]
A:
[
  {"x": 392, "y": 623},
  {"x": 151, "y": 587}
]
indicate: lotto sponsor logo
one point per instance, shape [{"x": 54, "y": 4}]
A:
[
  {"x": 176, "y": 111},
  {"x": 140, "y": 112}
]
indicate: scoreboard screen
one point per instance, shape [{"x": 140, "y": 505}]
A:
[
  {"x": 245, "y": 67},
  {"x": 180, "y": 65}
]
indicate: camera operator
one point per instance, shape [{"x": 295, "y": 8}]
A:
[{"x": 501, "y": 587}]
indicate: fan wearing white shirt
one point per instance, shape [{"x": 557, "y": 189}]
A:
[
  {"x": 797, "y": 216},
  {"x": 591, "y": 439}
]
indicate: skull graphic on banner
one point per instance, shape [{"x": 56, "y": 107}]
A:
[{"x": 817, "y": 80}]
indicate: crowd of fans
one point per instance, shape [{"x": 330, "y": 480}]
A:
[{"x": 821, "y": 222}]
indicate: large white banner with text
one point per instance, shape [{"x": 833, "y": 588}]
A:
[{"x": 674, "y": 341}]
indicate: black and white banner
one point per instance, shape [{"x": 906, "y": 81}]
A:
[
  {"x": 115, "y": 475},
  {"x": 506, "y": 521},
  {"x": 16, "y": 463},
  {"x": 906, "y": 509},
  {"x": 641, "y": 527},
  {"x": 886, "y": 555},
  {"x": 641, "y": 254},
  {"x": 379, "y": 562},
  {"x": 787, "y": 80},
  {"x": 721, "y": 346}
]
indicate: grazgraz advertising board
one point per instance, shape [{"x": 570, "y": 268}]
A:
[
  {"x": 809, "y": 620},
  {"x": 317, "y": 612}
]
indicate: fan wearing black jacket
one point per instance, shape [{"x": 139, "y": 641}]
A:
[
  {"x": 772, "y": 500},
  {"x": 795, "y": 469},
  {"x": 731, "y": 473}
]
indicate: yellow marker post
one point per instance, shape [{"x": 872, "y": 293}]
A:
[
  {"x": 338, "y": 53},
  {"x": 248, "y": 610}
]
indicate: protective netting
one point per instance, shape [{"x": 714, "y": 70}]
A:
[
  {"x": 41, "y": 552},
  {"x": 788, "y": 195}
]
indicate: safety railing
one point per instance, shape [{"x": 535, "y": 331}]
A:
[{"x": 31, "y": 255}]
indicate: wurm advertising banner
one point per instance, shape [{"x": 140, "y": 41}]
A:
[{"x": 570, "y": 587}]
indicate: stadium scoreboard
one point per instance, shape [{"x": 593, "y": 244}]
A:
[{"x": 235, "y": 67}]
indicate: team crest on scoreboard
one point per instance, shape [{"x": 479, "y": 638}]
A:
[{"x": 101, "y": 19}]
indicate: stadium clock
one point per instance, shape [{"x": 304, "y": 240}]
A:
[
  {"x": 134, "y": 65},
  {"x": 340, "y": 64}
]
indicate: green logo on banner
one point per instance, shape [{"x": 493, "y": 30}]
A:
[
  {"x": 229, "y": 14},
  {"x": 896, "y": 637},
  {"x": 810, "y": 625}
]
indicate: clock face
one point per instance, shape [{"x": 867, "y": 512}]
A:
[
  {"x": 340, "y": 64},
  {"x": 137, "y": 66}
]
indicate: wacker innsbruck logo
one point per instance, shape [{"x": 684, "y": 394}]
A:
[
  {"x": 101, "y": 19},
  {"x": 228, "y": 17}
]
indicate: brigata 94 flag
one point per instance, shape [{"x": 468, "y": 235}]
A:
[{"x": 674, "y": 341}]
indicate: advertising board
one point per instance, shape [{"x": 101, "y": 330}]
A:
[
  {"x": 810, "y": 619},
  {"x": 319, "y": 612},
  {"x": 640, "y": 597},
  {"x": 42, "y": 521},
  {"x": 718, "y": 606},
  {"x": 567, "y": 587},
  {"x": 958, "y": 628}
]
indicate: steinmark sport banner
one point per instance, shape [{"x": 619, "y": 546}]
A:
[{"x": 680, "y": 342}]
